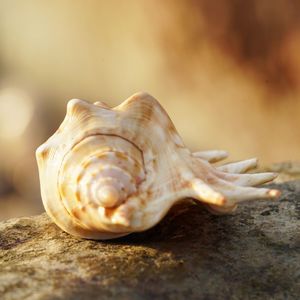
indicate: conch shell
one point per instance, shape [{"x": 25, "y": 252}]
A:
[{"x": 107, "y": 172}]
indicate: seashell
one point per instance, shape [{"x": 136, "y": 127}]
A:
[{"x": 108, "y": 172}]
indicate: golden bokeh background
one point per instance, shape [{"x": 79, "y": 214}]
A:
[{"x": 228, "y": 73}]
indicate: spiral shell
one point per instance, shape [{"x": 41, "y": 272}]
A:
[{"x": 109, "y": 172}]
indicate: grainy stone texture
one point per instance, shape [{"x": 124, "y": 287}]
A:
[
  {"x": 286, "y": 171},
  {"x": 253, "y": 254}
]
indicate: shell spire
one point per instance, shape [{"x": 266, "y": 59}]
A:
[{"x": 107, "y": 172}]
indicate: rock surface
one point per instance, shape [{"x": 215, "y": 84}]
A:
[
  {"x": 286, "y": 171},
  {"x": 252, "y": 254}
]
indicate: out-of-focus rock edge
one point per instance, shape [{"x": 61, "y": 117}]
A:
[{"x": 252, "y": 254}]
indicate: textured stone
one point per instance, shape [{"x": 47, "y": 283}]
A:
[
  {"x": 191, "y": 254},
  {"x": 286, "y": 171}
]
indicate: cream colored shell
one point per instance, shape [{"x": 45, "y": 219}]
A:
[{"x": 107, "y": 172}]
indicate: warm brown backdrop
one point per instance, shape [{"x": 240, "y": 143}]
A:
[{"x": 228, "y": 72}]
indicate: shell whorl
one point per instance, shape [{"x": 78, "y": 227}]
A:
[{"x": 107, "y": 171}]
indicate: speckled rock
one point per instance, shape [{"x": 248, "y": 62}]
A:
[
  {"x": 252, "y": 254},
  {"x": 286, "y": 171}
]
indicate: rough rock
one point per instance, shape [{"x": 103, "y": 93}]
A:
[
  {"x": 191, "y": 254},
  {"x": 286, "y": 171}
]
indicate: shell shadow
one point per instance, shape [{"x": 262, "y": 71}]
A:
[{"x": 187, "y": 224}]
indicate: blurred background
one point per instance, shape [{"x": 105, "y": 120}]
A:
[{"x": 227, "y": 72}]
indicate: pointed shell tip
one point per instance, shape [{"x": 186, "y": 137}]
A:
[{"x": 274, "y": 193}]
